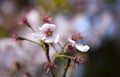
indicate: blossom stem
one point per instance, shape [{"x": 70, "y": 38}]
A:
[
  {"x": 52, "y": 74},
  {"x": 65, "y": 56},
  {"x": 32, "y": 29},
  {"x": 47, "y": 52},
  {"x": 32, "y": 41},
  {"x": 54, "y": 47},
  {"x": 64, "y": 46},
  {"x": 67, "y": 67},
  {"x": 30, "y": 26},
  {"x": 48, "y": 56},
  {"x": 35, "y": 43},
  {"x": 60, "y": 56},
  {"x": 60, "y": 45},
  {"x": 71, "y": 71}
]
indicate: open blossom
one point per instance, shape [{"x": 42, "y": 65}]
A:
[
  {"x": 47, "y": 33},
  {"x": 75, "y": 40}
]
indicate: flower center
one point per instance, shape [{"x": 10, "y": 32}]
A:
[{"x": 49, "y": 33}]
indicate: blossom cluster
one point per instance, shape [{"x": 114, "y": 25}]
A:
[{"x": 48, "y": 35}]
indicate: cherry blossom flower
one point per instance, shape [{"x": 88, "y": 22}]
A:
[
  {"x": 47, "y": 33},
  {"x": 75, "y": 40}
]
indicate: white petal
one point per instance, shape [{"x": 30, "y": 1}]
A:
[
  {"x": 44, "y": 37},
  {"x": 52, "y": 27},
  {"x": 37, "y": 35},
  {"x": 70, "y": 40},
  {"x": 82, "y": 48},
  {"x": 42, "y": 29},
  {"x": 49, "y": 40},
  {"x": 47, "y": 26},
  {"x": 56, "y": 39}
]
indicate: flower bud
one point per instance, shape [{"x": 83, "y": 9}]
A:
[
  {"x": 16, "y": 37},
  {"x": 70, "y": 47},
  {"x": 47, "y": 19},
  {"x": 24, "y": 21}
]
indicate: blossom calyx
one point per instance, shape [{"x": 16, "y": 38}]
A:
[{"x": 50, "y": 67}]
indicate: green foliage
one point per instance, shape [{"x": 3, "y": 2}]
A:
[
  {"x": 55, "y": 6},
  {"x": 3, "y": 32}
]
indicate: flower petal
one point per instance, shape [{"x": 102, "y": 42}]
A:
[
  {"x": 70, "y": 40},
  {"x": 47, "y": 26},
  {"x": 56, "y": 39},
  {"x": 52, "y": 28},
  {"x": 37, "y": 35},
  {"x": 82, "y": 48},
  {"x": 49, "y": 40}
]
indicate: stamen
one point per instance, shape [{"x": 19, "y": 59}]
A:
[
  {"x": 76, "y": 37},
  {"x": 49, "y": 33}
]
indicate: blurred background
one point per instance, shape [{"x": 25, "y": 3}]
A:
[{"x": 97, "y": 20}]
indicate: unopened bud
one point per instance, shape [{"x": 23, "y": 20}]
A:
[
  {"x": 47, "y": 19},
  {"x": 70, "y": 47},
  {"x": 16, "y": 37}
]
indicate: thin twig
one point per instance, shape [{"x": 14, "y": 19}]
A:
[
  {"x": 66, "y": 68},
  {"x": 60, "y": 45},
  {"x": 54, "y": 47},
  {"x": 35, "y": 43},
  {"x": 48, "y": 56}
]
